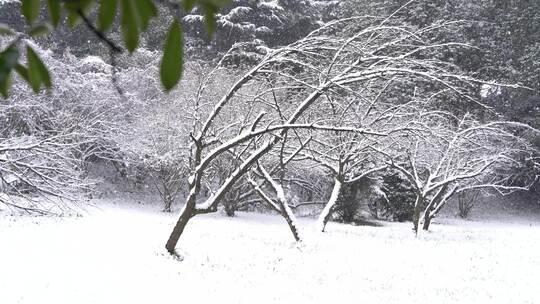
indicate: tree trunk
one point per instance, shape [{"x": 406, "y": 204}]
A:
[
  {"x": 438, "y": 208},
  {"x": 186, "y": 214},
  {"x": 427, "y": 213},
  {"x": 327, "y": 211},
  {"x": 286, "y": 212},
  {"x": 427, "y": 220},
  {"x": 167, "y": 198},
  {"x": 433, "y": 204},
  {"x": 416, "y": 214},
  {"x": 230, "y": 208}
]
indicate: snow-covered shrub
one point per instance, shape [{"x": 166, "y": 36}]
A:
[{"x": 47, "y": 139}]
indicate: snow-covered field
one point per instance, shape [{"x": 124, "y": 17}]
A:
[{"x": 116, "y": 254}]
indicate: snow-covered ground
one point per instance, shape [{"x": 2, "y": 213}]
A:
[{"x": 115, "y": 254}]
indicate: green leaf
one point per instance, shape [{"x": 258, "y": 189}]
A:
[
  {"x": 73, "y": 18},
  {"x": 107, "y": 12},
  {"x": 129, "y": 25},
  {"x": 55, "y": 11},
  {"x": 5, "y": 30},
  {"x": 45, "y": 75},
  {"x": 209, "y": 11},
  {"x": 220, "y": 3},
  {"x": 8, "y": 60},
  {"x": 34, "y": 76},
  {"x": 30, "y": 9},
  {"x": 188, "y": 5},
  {"x": 171, "y": 64},
  {"x": 4, "y": 85},
  {"x": 146, "y": 10},
  {"x": 10, "y": 56},
  {"x": 74, "y": 7},
  {"x": 23, "y": 72},
  {"x": 40, "y": 30},
  {"x": 37, "y": 72}
]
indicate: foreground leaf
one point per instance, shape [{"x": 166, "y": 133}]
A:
[
  {"x": 23, "y": 72},
  {"x": 54, "y": 9},
  {"x": 209, "y": 12},
  {"x": 4, "y": 85},
  {"x": 74, "y": 7},
  {"x": 37, "y": 72},
  {"x": 129, "y": 24},
  {"x": 188, "y": 5},
  {"x": 107, "y": 12},
  {"x": 30, "y": 9},
  {"x": 171, "y": 65},
  {"x": 146, "y": 10},
  {"x": 40, "y": 30},
  {"x": 8, "y": 60}
]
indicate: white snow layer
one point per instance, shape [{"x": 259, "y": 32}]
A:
[
  {"x": 273, "y": 5},
  {"x": 117, "y": 255}
]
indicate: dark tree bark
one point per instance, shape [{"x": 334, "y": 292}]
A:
[
  {"x": 427, "y": 222},
  {"x": 187, "y": 213},
  {"x": 416, "y": 213}
]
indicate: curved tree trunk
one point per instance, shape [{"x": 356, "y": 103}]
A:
[
  {"x": 327, "y": 211},
  {"x": 187, "y": 213}
]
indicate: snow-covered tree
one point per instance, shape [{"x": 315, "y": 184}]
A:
[
  {"x": 49, "y": 139},
  {"x": 41, "y": 173},
  {"x": 458, "y": 155},
  {"x": 281, "y": 93},
  {"x": 349, "y": 156}
]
